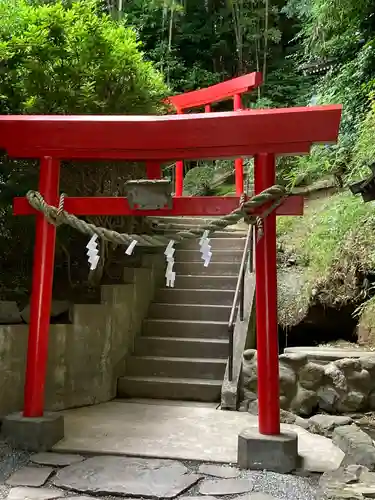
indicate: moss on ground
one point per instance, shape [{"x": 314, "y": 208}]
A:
[{"x": 333, "y": 246}]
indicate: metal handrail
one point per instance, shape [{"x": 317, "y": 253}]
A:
[{"x": 239, "y": 294}]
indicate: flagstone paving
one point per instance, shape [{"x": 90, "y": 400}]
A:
[{"x": 103, "y": 476}]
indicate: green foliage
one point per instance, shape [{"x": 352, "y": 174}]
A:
[
  {"x": 65, "y": 57},
  {"x": 58, "y": 59},
  {"x": 364, "y": 152},
  {"x": 335, "y": 245}
]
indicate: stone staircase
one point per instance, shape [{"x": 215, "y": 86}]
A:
[{"x": 183, "y": 347}]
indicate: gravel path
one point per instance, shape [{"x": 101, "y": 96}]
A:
[{"x": 278, "y": 486}]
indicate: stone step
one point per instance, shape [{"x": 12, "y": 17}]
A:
[
  {"x": 185, "y": 329},
  {"x": 181, "y": 347},
  {"x": 190, "y": 312},
  {"x": 217, "y": 256},
  {"x": 151, "y": 366},
  {"x": 195, "y": 296},
  {"x": 226, "y": 243},
  {"x": 206, "y": 282},
  {"x": 223, "y": 234},
  {"x": 213, "y": 269},
  {"x": 169, "y": 388}
]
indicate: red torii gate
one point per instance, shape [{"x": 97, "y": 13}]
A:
[
  {"x": 154, "y": 139},
  {"x": 230, "y": 89}
]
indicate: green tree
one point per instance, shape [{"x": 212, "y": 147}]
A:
[{"x": 67, "y": 57}]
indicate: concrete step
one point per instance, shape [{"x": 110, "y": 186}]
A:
[
  {"x": 151, "y": 366},
  {"x": 223, "y": 234},
  {"x": 169, "y": 388},
  {"x": 185, "y": 329},
  {"x": 195, "y": 296},
  {"x": 206, "y": 282},
  {"x": 217, "y": 256},
  {"x": 190, "y": 312},
  {"x": 181, "y": 347},
  {"x": 226, "y": 243},
  {"x": 213, "y": 269}
]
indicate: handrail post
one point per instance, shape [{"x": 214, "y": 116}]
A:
[{"x": 238, "y": 294}]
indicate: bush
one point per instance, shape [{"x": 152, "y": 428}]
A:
[
  {"x": 67, "y": 59},
  {"x": 58, "y": 59}
]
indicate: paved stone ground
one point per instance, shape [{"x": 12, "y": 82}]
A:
[{"x": 110, "y": 477}]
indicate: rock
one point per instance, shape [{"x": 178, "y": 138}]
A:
[
  {"x": 339, "y": 477},
  {"x": 368, "y": 363},
  {"x": 56, "y": 459},
  {"x": 304, "y": 402},
  {"x": 325, "y": 424},
  {"x": 244, "y": 406},
  {"x": 284, "y": 402},
  {"x": 287, "y": 417},
  {"x": 225, "y": 486},
  {"x": 293, "y": 359},
  {"x": 326, "y": 456},
  {"x": 249, "y": 395},
  {"x": 253, "y": 408},
  {"x": 348, "y": 365},
  {"x": 336, "y": 377},
  {"x": 58, "y": 307},
  {"x": 222, "y": 471},
  {"x": 288, "y": 380},
  {"x": 310, "y": 375},
  {"x": 353, "y": 401},
  {"x": 22, "y": 493},
  {"x": 327, "y": 398},
  {"x": 302, "y": 422},
  {"x": 356, "y": 444},
  {"x": 360, "y": 380},
  {"x": 30, "y": 476},
  {"x": 139, "y": 477},
  {"x": 339, "y": 493},
  {"x": 371, "y": 400},
  {"x": 250, "y": 354},
  {"x": 9, "y": 313},
  {"x": 354, "y": 481}
]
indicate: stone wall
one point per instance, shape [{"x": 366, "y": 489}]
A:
[
  {"x": 86, "y": 357},
  {"x": 345, "y": 385}
]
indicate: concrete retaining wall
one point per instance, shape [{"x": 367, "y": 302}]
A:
[{"x": 86, "y": 357}]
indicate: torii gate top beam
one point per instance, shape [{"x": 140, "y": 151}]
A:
[
  {"x": 216, "y": 93},
  {"x": 171, "y": 137}
]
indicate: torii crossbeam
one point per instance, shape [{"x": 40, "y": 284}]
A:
[{"x": 154, "y": 139}]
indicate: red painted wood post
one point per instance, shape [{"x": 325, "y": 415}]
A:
[
  {"x": 238, "y": 162},
  {"x": 153, "y": 170},
  {"x": 266, "y": 307},
  {"x": 41, "y": 295},
  {"x": 179, "y": 172},
  {"x": 207, "y": 108}
]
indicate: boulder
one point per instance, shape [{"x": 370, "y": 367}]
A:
[
  {"x": 336, "y": 377},
  {"x": 326, "y": 424},
  {"x": 356, "y": 444},
  {"x": 368, "y": 363},
  {"x": 304, "y": 402},
  {"x": 9, "y": 313},
  {"x": 293, "y": 359},
  {"x": 288, "y": 381},
  {"x": 351, "y": 402},
  {"x": 311, "y": 375},
  {"x": 327, "y": 398}
]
